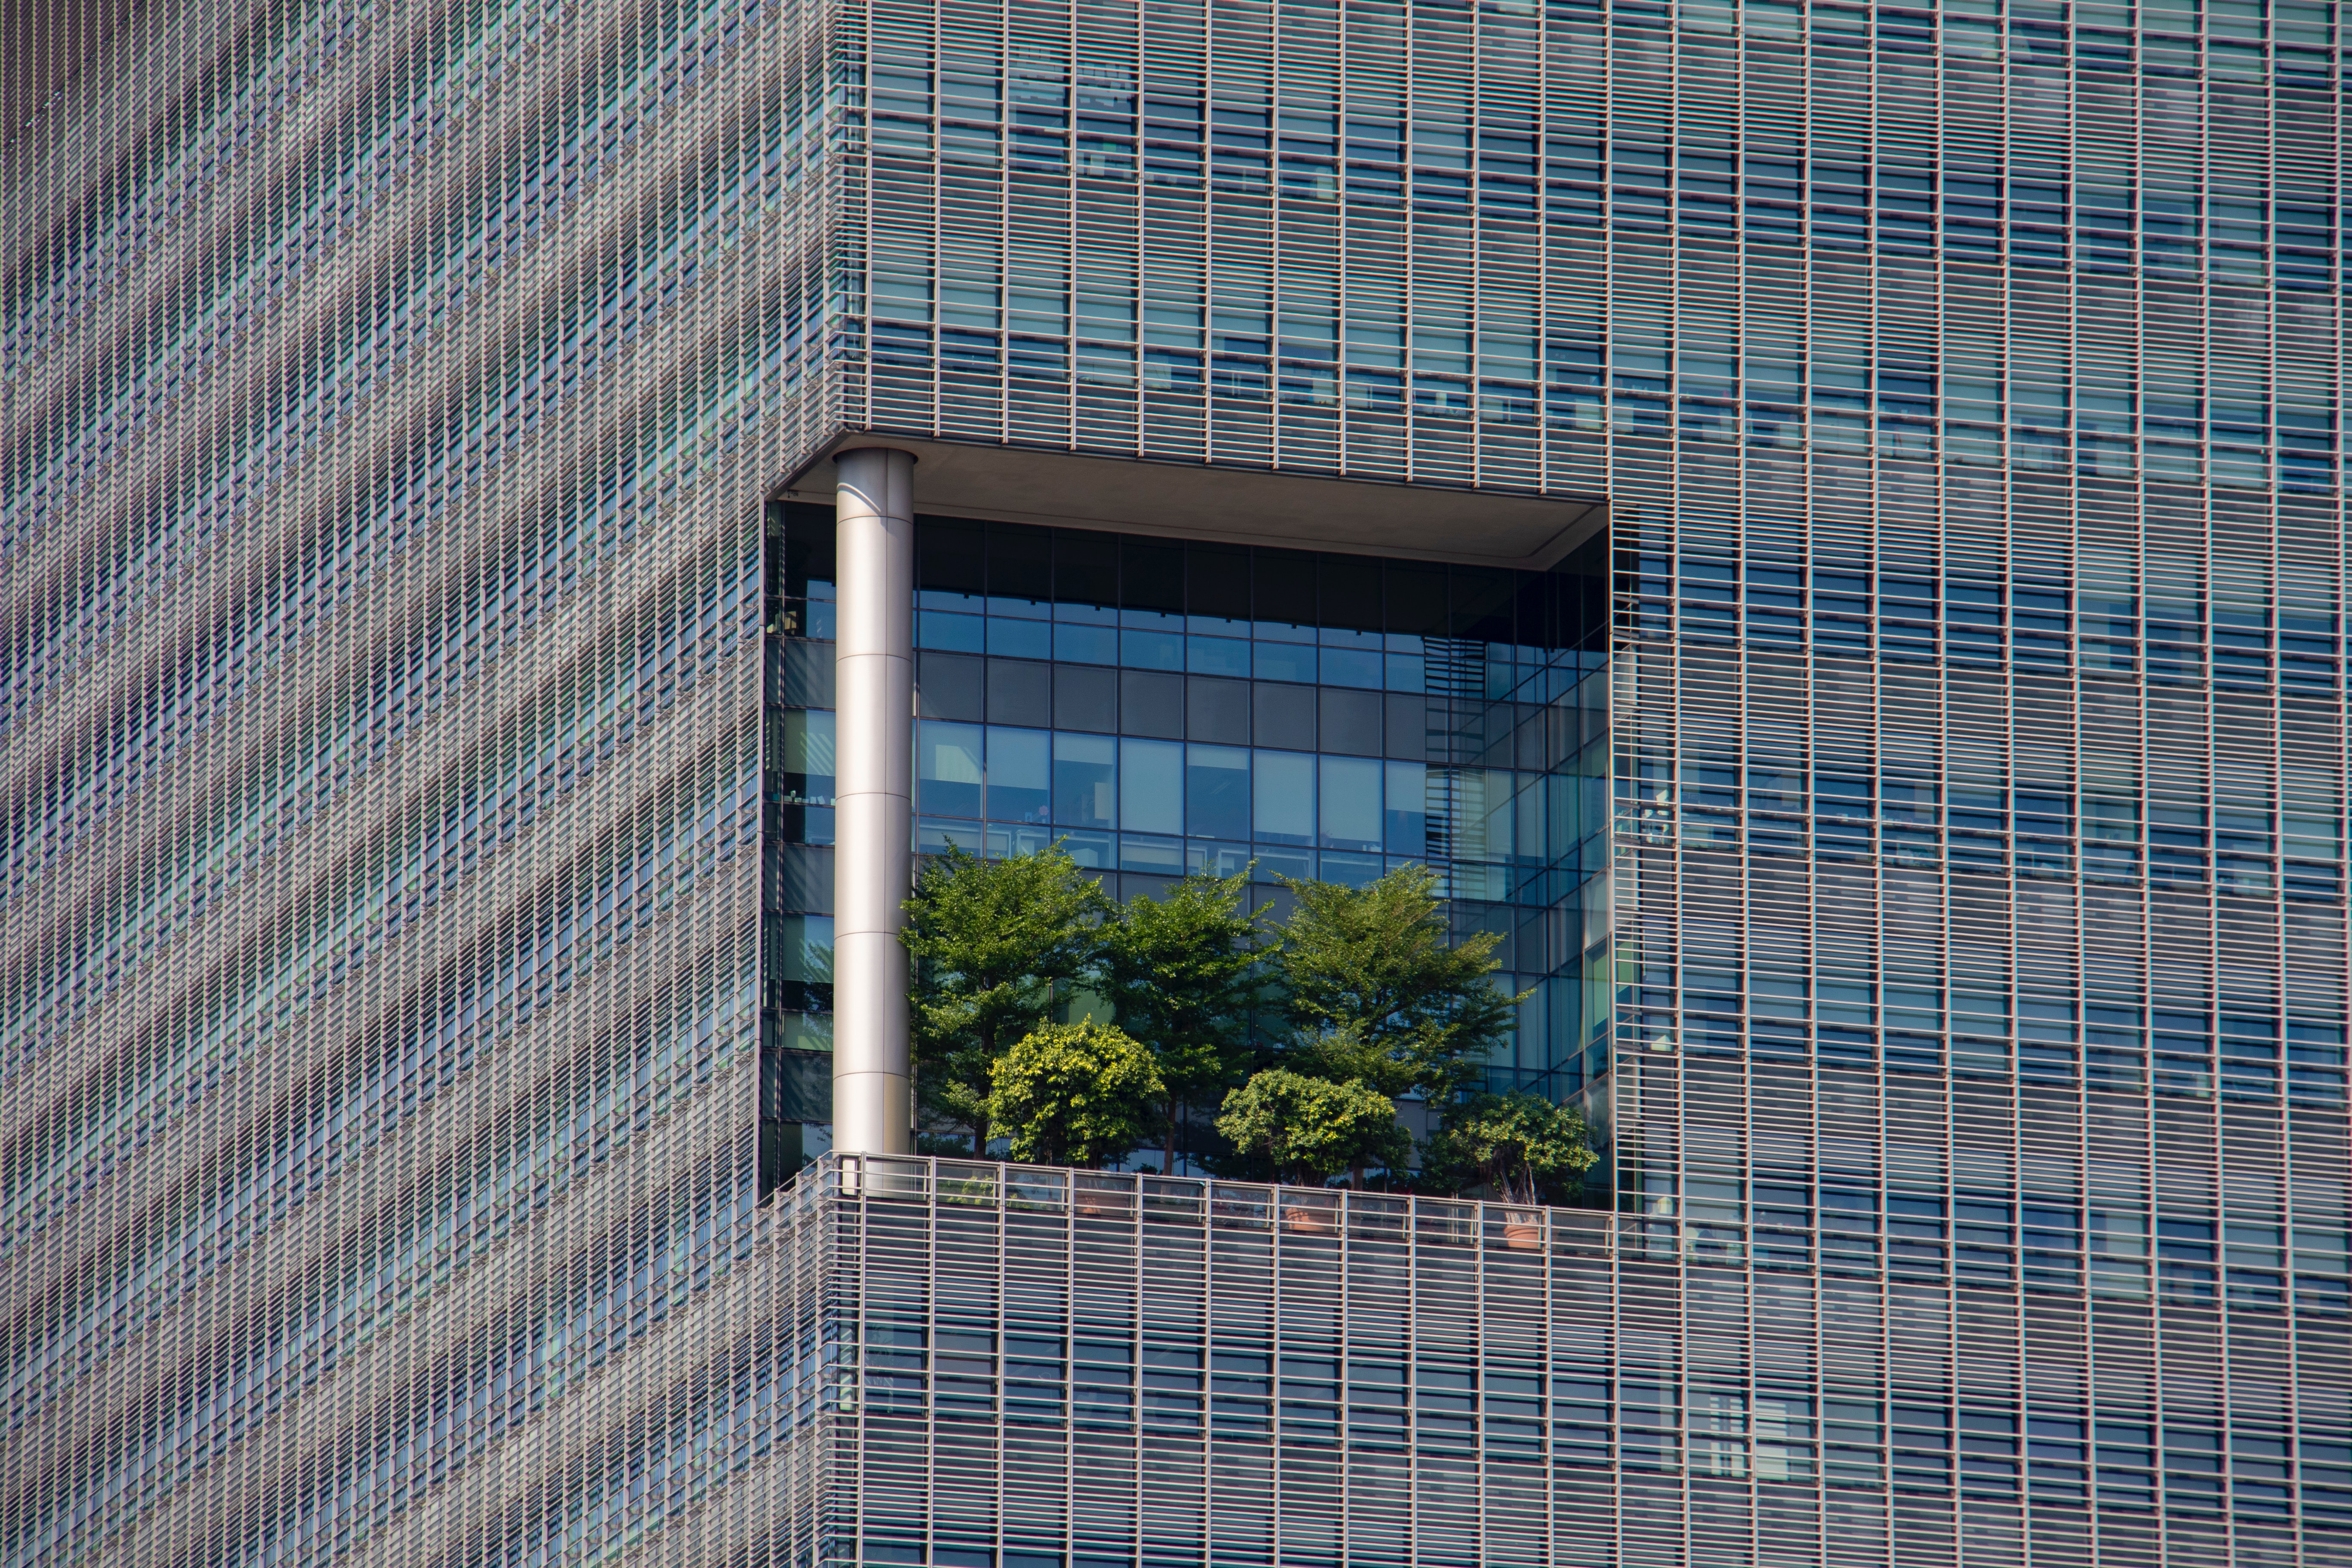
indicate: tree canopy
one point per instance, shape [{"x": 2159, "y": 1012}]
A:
[
  {"x": 1520, "y": 1144},
  {"x": 1077, "y": 1027},
  {"x": 1305, "y": 1128},
  {"x": 1183, "y": 974},
  {"x": 996, "y": 943},
  {"x": 1074, "y": 1094},
  {"x": 1375, "y": 991}
]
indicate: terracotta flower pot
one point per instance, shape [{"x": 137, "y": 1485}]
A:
[
  {"x": 1522, "y": 1232},
  {"x": 1099, "y": 1199},
  {"x": 1308, "y": 1221}
]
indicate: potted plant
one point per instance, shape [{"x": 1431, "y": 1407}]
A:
[
  {"x": 1519, "y": 1145},
  {"x": 1303, "y": 1130},
  {"x": 1074, "y": 1094}
]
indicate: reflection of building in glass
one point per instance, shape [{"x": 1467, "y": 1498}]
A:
[{"x": 423, "y": 784}]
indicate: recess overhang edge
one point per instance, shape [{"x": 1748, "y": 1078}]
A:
[{"x": 1222, "y": 502}]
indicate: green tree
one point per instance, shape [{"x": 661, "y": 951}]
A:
[
  {"x": 1074, "y": 1094},
  {"x": 1302, "y": 1129},
  {"x": 1183, "y": 975},
  {"x": 1521, "y": 1145},
  {"x": 996, "y": 943},
  {"x": 1376, "y": 992}
]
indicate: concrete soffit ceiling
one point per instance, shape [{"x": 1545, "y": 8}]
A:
[{"x": 1223, "y": 503}]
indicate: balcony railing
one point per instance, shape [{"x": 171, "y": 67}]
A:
[{"x": 1119, "y": 1198}]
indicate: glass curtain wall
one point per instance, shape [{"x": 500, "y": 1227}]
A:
[{"x": 1162, "y": 708}]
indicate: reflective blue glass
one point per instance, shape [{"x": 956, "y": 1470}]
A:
[
  {"x": 1283, "y": 662},
  {"x": 1217, "y": 792},
  {"x": 1020, "y": 775},
  {"x": 1349, "y": 811},
  {"x": 949, "y": 768},
  {"x": 1086, "y": 780},
  {"x": 1151, "y": 786},
  {"x": 1283, "y": 784}
]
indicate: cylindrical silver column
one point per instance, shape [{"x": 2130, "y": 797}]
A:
[{"x": 874, "y": 753}]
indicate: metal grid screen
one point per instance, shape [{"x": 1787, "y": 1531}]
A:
[
  {"x": 1048, "y": 1367},
  {"x": 390, "y": 391}
]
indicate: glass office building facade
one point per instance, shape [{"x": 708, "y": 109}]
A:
[{"x": 410, "y": 836}]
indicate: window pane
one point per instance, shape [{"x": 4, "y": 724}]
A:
[
  {"x": 1151, "y": 786},
  {"x": 1351, "y": 667},
  {"x": 1285, "y": 797},
  {"x": 1145, "y": 650},
  {"x": 947, "y": 769},
  {"x": 800, "y": 948},
  {"x": 1018, "y": 774},
  {"x": 1217, "y": 656},
  {"x": 1351, "y": 804},
  {"x": 1217, "y": 792},
  {"x": 1407, "y": 817},
  {"x": 808, "y": 743},
  {"x": 1284, "y": 661},
  {"x": 1502, "y": 813},
  {"x": 1085, "y": 781}
]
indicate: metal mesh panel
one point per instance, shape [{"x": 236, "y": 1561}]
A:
[{"x": 391, "y": 392}]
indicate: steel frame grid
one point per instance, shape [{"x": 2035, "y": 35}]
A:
[
  {"x": 112, "y": 569},
  {"x": 407, "y": 1079},
  {"x": 1345, "y": 1283}
]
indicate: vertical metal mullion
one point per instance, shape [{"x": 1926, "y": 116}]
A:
[
  {"x": 1274, "y": 1197},
  {"x": 1412, "y": 1366},
  {"x": 1346, "y": 1345},
  {"x": 1479, "y": 1432},
  {"x": 931, "y": 1350},
  {"x": 1003, "y": 1239},
  {"x": 1135, "y": 1330},
  {"x": 857, "y": 1348},
  {"x": 1069, "y": 1306},
  {"x": 1208, "y": 1338},
  {"x": 1547, "y": 1338}
]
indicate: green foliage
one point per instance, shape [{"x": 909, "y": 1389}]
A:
[
  {"x": 1520, "y": 1144},
  {"x": 1300, "y": 1129},
  {"x": 1074, "y": 1094},
  {"x": 1182, "y": 974},
  {"x": 1341, "y": 1053},
  {"x": 995, "y": 943},
  {"x": 1376, "y": 993},
  {"x": 1379, "y": 1006}
]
